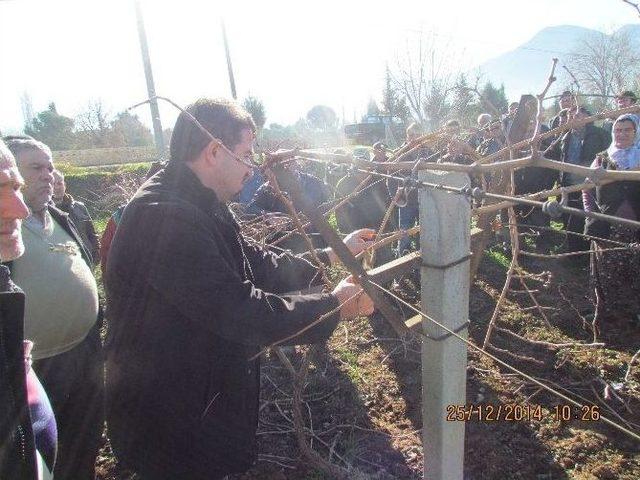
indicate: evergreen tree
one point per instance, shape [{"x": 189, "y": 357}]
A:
[
  {"x": 322, "y": 118},
  {"x": 52, "y": 129},
  {"x": 495, "y": 97},
  {"x": 372, "y": 107},
  {"x": 256, "y": 108},
  {"x": 393, "y": 103},
  {"x": 129, "y": 131},
  {"x": 463, "y": 105}
]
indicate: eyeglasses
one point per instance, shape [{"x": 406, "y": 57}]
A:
[{"x": 251, "y": 160}]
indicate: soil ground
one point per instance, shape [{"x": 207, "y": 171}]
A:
[{"x": 364, "y": 389}]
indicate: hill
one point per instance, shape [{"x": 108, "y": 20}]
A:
[{"x": 525, "y": 69}]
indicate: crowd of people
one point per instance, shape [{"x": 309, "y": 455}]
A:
[{"x": 191, "y": 302}]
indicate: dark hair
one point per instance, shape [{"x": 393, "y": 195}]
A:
[
  {"x": 628, "y": 93},
  {"x": 224, "y": 119},
  {"x": 452, "y": 123}
]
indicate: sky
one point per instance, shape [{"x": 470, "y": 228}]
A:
[{"x": 292, "y": 55}]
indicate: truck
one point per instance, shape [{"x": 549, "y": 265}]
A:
[{"x": 376, "y": 128}]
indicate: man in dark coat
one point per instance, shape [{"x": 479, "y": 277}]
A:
[
  {"x": 367, "y": 208},
  {"x": 578, "y": 146},
  {"x": 192, "y": 303},
  {"x": 78, "y": 214},
  {"x": 567, "y": 101}
]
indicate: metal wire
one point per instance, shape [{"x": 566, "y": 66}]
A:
[
  {"x": 608, "y": 421},
  {"x": 477, "y": 192}
]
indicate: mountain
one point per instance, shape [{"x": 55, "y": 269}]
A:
[{"x": 525, "y": 69}]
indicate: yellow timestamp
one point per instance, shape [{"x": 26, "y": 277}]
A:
[
  {"x": 584, "y": 413},
  {"x": 488, "y": 412},
  {"x": 514, "y": 412}
]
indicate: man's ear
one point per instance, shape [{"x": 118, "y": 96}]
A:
[{"x": 212, "y": 152}]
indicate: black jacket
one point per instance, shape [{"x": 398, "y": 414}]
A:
[
  {"x": 608, "y": 200},
  {"x": 595, "y": 140},
  {"x": 190, "y": 302},
  {"x": 17, "y": 447},
  {"x": 83, "y": 222}
]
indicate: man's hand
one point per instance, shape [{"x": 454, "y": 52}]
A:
[
  {"x": 359, "y": 240},
  {"x": 457, "y": 147},
  {"x": 354, "y": 302},
  {"x": 356, "y": 242}
]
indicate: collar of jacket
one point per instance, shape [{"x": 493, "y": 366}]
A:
[
  {"x": 184, "y": 184},
  {"x": 66, "y": 203},
  {"x": 68, "y": 226},
  {"x": 6, "y": 285}
]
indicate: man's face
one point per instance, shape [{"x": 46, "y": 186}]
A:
[
  {"x": 624, "y": 134},
  {"x": 231, "y": 173},
  {"x": 36, "y": 168},
  {"x": 59, "y": 186},
  {"x": 567, "y": 101},
  {"x": 624, "y": 102},
  {"x": 12, "y": 209}
]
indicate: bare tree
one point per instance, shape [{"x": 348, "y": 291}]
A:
[
  {"x": 605, "y": 64},
  {"x": 93, "y": 126},
  {"x": 27, "y": 108},
  {"x": 393, "y": 102},
  {"x": 424, "y": 75},
  {"x": 634, "y": 5}
]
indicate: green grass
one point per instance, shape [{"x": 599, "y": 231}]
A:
[
  {"x": 350, "y": 360},
  {"x": 100, "y": 223},
  {"x": 498, "y": 257},
  {"x": 528, "y": 241},
  {"x": 75, "y": 171},
  {"x": 556, "y": 225},
  {"x": 333, "y": 221}
]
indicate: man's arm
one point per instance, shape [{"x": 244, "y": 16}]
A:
[
  {"x": 285, "y": 272},
  {"x": 186, "y": 267}
]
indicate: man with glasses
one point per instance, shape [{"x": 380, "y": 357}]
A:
[{"x": 192, "y": 302}]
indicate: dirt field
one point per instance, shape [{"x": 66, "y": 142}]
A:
[{"x": 363, "y": 394}]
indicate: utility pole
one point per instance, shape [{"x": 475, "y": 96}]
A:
[
  {"x": 232, "y": 82},
  {"x": 148, "y": 73}
]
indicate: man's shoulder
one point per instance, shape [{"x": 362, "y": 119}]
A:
[
  {"x": 58, "y": 215},
  {"x": 147, "y": 214},
  {"x": 595, "y": 130}
]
